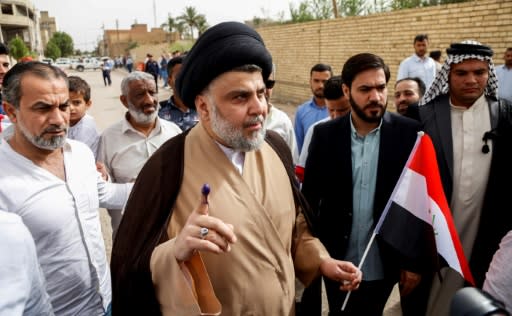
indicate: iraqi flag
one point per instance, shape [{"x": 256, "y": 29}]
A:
[{"x": 417, "y": 220}]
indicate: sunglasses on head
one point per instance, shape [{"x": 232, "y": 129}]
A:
[{"x": 270, "y": 84}]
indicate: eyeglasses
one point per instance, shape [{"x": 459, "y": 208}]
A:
[{"x": 269, "y": 84}]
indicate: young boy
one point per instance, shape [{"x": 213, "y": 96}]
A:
[{"x": 82, "y": 126}]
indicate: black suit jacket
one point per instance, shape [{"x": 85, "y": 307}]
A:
[
  {"x": 496, "y": 216},
  {"x": 328, "y": 183}
]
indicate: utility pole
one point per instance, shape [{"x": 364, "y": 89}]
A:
[{"x": 154, "y": 13}]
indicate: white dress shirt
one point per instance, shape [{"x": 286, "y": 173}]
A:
[
  {"x": 307, "y": 140},
  {"x": 124, "y": 151},
  {"x": 63, "y": 219},
  {"x": 22, "y": 287},
  {"x": 504, "y": 75},
  {"x": 86, "y": 132},
  {"x": 470, "y": 168},
  {"x": 414, "y": 66},
  {"x": 279, "y": 122}
]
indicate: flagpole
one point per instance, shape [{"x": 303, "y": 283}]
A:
[
  {"x": 370, "y": 243},
  {"x": 379, "y": 223}
]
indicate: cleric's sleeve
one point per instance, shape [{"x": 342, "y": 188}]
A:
[
  {"x": 308, "y": 254},
  {"x": 182, "y": 288}
]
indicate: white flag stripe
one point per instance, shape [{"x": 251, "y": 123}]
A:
[{"x": 412, "y": 197}]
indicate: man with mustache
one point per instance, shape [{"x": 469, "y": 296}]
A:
[
  {"x": 472, "y": 131},
  {"x": 353, "y": 165},
  {"x": 408, "y": 91},
  {"x": 313, "y": 110},
  {"x": 125, "y": 146},
  {"x": 52, "y": 183},
  {"x": 237, "y": 249}
]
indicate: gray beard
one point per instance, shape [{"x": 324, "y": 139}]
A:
[
  {"x": 51, "y": 144},
  {"x": 234, "y": 137}
]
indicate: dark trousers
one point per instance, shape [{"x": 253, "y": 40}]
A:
[
  {"x": 415, "y": 304},
  {"x": 106, "y": 77},
  {"x": 368, "y": 300},
  {"x": 311, "y": 302}
]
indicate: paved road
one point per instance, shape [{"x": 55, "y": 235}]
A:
[{"x": 107, "y": 109}]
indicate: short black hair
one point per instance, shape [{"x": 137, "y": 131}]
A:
[
  {"x": 4, "y": 49},
  {"x": 320, "y": 68},
  {"x": 508, "y": 49},
  {"x": 420, "y": 38},
  {"x": 435, "y": 54},
  {"x": 79, "y": 85},
  {"x": 11, "y": 85},
  {"x": 332, "y": 88},
  {"x": 421, "y": 84},
  {"x": 362, "y": 62},
  {"x": 173, "y": 62}
]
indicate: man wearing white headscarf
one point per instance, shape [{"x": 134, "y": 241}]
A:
[{"x": 471, "y": 130}]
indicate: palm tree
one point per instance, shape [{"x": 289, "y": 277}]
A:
[
  {"x": 173, "y": 25},
  {"x": 201, "y": 24},
  {"x": 189, "y": 17}
]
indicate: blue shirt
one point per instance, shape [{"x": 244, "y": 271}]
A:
[
  {"x": 414, "y": 66},
  {"x": 307, "y": 114},
  {"x": 504, "y": 75},
  {"x": 170, "y": 112},
  {"x": 365, "y": 157}
]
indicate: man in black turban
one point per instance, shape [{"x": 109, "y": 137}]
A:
[
  {"x": 472, "y": 131},
  {"x": 181, "y": 250}
]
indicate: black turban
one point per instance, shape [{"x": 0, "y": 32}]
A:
[
  {"x": 221, "y": 48},
  {"x": 469, "y": 49}
]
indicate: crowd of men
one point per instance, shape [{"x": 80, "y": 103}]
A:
[{"x": 219, "y": 205}]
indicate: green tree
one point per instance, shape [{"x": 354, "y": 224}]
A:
[
  {"x": 17, "y": 48},
  {"x": 191, "y": 18},
  {"x": 52, "y": 50},
  {"x": 302, "y": 13},
  {"x": 174, "y": 25},
  {"x": 64, "y": 42},
  {"x": 201, "y": 25},
  {"x": 352, "y": 7}
]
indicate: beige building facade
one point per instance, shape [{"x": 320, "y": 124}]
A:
[{"x": 20, "y": 18}]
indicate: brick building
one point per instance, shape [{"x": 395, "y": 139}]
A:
[{"x": 119, "y": 42}]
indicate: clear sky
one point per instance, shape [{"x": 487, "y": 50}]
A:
[{"x": 84, "y": 19}]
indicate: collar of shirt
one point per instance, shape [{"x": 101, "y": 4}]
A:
[
  {"x": 479, "y": 104},
  {"x": 127, "y": 126},
  {"x": 354, "y": 131},
  {"x": 420, "y": 59},
  {"x": 237, "y": 158}
]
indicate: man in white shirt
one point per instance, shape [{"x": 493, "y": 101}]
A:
[
  {"x": 419, "y": 64},
  {"x": 504, "y": 73},
  {"x": 23, "y": 289},
  {"x": 278, "y": 120},
  {"x": 125, "y": 146},
  {"x": 52, "y": 183}
]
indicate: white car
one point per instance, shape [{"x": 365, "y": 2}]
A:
[
  {"x": 86, "y": 63},
  {"x": 63, "y": 63}
]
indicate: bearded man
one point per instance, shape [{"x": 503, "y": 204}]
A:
[
  {"x": 52, "y": 183},
  {"x": 238, "y": 250},
  {"x": 353, "y": 165},
  {"x": 125, "y": 146}
]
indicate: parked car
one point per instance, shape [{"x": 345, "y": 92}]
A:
[
  {"x": 63, "y": 63},
  {"x": 86, "y": 63},
  {"x": 49, "y": 61}
]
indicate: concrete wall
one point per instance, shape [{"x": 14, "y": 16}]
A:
[{"x": 297, "y": 47}]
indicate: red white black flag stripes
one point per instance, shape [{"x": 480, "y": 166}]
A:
[{"x": 418, "y": 210}]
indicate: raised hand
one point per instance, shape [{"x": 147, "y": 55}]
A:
[{"x": 202, "y": 232}]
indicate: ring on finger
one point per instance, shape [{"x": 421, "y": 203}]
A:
[{"x": 203, "y": 232}]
